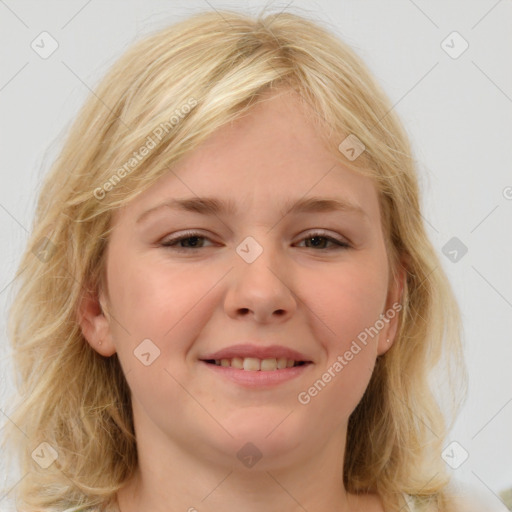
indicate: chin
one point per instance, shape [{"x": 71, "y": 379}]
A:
[{"x": 268, "y": 437}]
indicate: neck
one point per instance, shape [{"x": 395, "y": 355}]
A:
[{"x": 171, "y": 477}]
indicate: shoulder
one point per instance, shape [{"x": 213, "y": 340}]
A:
[
  {"x": 111, "y": 506},
  {"x": 463, "y": 498},
  {"x": 88, "y": 509},
  {"x": 75, "y": 509}
]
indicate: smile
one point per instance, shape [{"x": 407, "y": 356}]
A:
[
  {"x": 253, "y": 364},
  {"x": 254, "y": 373}
]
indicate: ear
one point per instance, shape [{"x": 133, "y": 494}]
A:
[
  {"x": 391, "y": 314},
  {"x": 94, "y": 323}
]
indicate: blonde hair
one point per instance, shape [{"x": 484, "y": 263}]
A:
[{"x": 219, "y": 64}]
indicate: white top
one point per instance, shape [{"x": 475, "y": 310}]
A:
[{"x": 468, "y": 499}]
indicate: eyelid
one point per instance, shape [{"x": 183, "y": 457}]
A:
[
  {"x": 183, "y": 235},
  {"x": 339, "y": 242},
  {"x": 343, "y": 241}
]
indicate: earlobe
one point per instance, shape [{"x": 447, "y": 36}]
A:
[
  {"x": 94, "y": 324},
  {"x": 391, "y": 315}
]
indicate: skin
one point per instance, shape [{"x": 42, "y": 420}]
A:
[{"x": 190, "y": 423}]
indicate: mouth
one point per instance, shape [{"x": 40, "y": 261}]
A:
[
  {"x": 254, "y": 364},
  {"x": 255, "y": 373}
]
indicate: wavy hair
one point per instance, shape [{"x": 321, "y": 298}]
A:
[{"x": 179, "y": 85}]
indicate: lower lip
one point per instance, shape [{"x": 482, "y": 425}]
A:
[{"x": 258, "y": 378}]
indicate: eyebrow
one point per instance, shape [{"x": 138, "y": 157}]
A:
[{"x": 213, "y": 206}]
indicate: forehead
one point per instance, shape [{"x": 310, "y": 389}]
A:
[{"x": 272, "y": 156}]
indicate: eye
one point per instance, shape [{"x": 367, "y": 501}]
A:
[
  {"x": 192, "y": 240},
  {"x": 320, "y": 238}
]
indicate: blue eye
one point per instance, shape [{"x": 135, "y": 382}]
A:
[
  {"x": 192, "y": 241},
  {"x": 189, "y": 236},
  {"x": 338, "y": 244}
]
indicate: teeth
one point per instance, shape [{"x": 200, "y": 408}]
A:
[
  {"x": 268, "y": 364},
  {"x": 253, "y": 364},
  {"x": 236, "y": 362}
]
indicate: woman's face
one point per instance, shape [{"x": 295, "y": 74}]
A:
[{"x": 256, "y": 279}]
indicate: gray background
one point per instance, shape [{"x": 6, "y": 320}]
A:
[{"x": 457, "y": 111}]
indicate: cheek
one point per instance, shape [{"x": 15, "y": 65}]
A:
[
  {"x": 346, "y": 301},
  {"x": 160, "y": 302},
  {"x": 347, "y": 304},
  {"x": 158, "y": 312}
]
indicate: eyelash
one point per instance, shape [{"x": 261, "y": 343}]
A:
[{"x": 171, "y": 243}]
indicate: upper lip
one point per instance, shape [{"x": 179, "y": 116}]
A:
[{"x": 257, "y": 351}]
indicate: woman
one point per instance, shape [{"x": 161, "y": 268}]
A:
[{"x": 229, "y": 300}]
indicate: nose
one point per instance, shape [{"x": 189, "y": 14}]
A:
[{"x": 261, "y": 289}]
